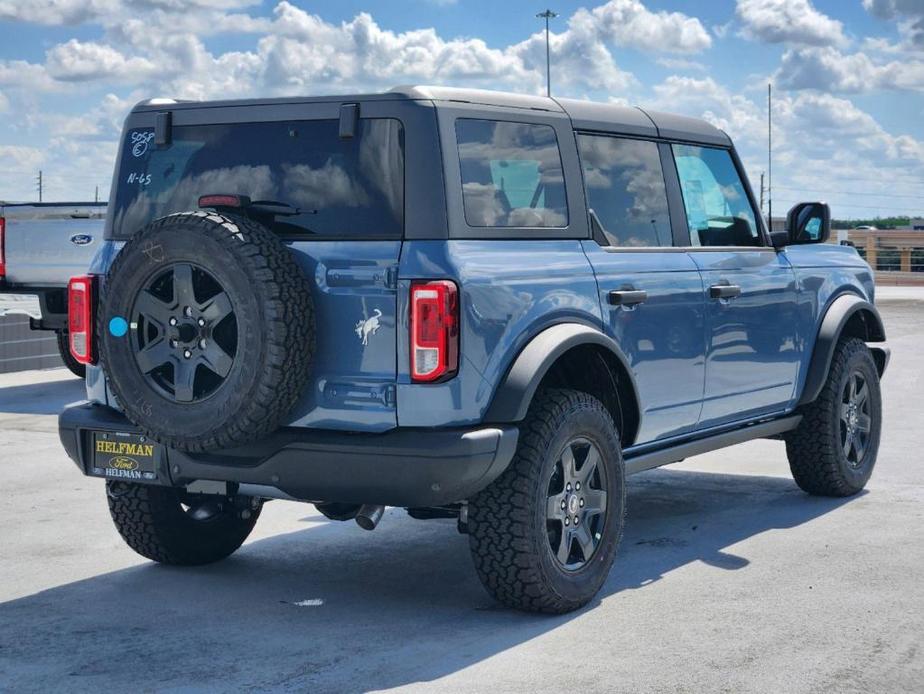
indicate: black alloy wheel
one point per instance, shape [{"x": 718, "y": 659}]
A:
[
  {"x": 186, "y": 333},
  {"x": 576, "y": 507},
  {"x": 856, "y": 420}
]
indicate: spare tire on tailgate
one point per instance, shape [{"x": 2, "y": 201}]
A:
[{"x": 206, "y": 330}]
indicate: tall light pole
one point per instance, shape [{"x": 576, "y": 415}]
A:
[
  {"x": 547, "y": 15},
  {"x": 769, "y": 157}
]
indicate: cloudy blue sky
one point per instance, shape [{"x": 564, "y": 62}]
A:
[{"x": 848, "y": 74}]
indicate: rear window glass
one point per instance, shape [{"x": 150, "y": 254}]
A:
[
  {"x": 330, "y": 187},
  {"x": 625, "y": 190},
  {"x": 511, "y": 174}
]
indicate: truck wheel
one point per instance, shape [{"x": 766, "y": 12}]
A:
[
  {"x": 171, "y": 527},
  {"x": 64, "y": 349},
  {"x": 206, "y": 331},
  {"x": 833, "y": 450},
  {"x": 544, "y": 534}
]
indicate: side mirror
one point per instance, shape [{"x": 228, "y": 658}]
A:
[{"x": 809, "y": 222}]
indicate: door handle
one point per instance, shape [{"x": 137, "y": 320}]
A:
[
  {"x": 724, "y": 290},
  {"x": 627, "y": 297}
]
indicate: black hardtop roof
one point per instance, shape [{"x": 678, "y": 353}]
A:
[{"x": 585, "y": 115}]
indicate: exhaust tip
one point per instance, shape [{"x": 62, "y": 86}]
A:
[{"x": 369, "y": 515}]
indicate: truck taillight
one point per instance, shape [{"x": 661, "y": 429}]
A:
[
  {"x": 434, "y": 325},
  {"x": 80, "y": 318},
  {"x": 2, "y": 248}
]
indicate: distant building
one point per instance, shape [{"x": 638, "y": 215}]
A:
[{"x": 917, "y": 223}]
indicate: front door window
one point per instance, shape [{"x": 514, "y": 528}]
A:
[{"x": 719, "y": 212}]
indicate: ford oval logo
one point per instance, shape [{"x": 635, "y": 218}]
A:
[{"x": 81, "y": 239}]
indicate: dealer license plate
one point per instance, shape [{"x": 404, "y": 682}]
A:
[{"x": 125, "y": 456}]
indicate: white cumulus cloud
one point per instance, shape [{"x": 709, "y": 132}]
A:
[
  {"x": 57, "y": 11},
  {"x": 629, "y": 23},
  {"x": 828, "y": 69},
  {"x": 78, "y": 61},
  {"x": 789, "y": 21}
]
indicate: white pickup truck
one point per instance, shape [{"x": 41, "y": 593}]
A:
[{"x": 43, "y": 245}]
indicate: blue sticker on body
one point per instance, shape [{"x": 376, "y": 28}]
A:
[{"x": 118, "y": 326}]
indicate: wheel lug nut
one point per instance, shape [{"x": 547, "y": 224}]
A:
[
  {"x": 567, "y": 520},
  {"x": 568, "y": 487},
  {"x": 563, "y": 505},
  {"x": 201, "y": 322},
  {"x": 172, "y": 321},
  {"x": 581, "y": 502},
  {"x": 577, "y": 486},
  {"x": 201, "y": 344},
  {"x": 577, "y": 520},
  {"x": 187, "y": 354}
]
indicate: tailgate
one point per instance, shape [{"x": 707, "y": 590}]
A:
[{"x": 46, "y": 249}]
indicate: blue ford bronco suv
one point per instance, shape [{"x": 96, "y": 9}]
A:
[{"x": 469, "y": 304}]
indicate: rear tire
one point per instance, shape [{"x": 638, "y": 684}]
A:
[
  {"x": 833, "y": 450},
  {"x": 153, "y": 522},
  {"x": 64, "y": 349},
  {"x": 527, "y": 549}
]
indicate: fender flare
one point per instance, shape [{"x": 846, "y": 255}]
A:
[
  {"x": 515, "y": 393},
  {"x": 839, "y": 313}
]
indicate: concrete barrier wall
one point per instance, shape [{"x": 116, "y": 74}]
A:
[{"x": 22, "y": 349}]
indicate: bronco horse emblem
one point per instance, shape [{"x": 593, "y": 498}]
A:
[{"x": 367, "y": 327}]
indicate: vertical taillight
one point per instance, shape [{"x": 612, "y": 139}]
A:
[
  {"x": 434, "y": 329},
  {"x": 2, "y": 248},
  {"x": 80, "y": 318}
]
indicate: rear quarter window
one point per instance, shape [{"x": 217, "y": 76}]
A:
[
  {"x": 332, "y": 187},
  {"x": 511, "y": 174}
]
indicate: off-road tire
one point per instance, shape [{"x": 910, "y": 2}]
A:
[
  {"x": 815, "y": 451},
  {"x": 508, "y": 537},
  {"x": 275, "y": 330},
  {"x": 152, "y": 522},
  {"x": 64, "y": 349}
]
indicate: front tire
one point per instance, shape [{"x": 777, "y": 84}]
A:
[
  {"x": 169, "y": 526},
  {"x": 833, "y": 450},
  {"x": 544, "y": 535}
]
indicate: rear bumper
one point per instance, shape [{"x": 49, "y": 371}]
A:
[
  {"x": 45, "y": 306},
  {"x": 20, "y": 303},
  {"x": 404, "y": 467}
]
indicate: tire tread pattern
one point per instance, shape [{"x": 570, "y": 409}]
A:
[
  {"x": 812, "y": 448},
  {"x": 288, "y": 315},
  {"x": 501, "y": 536},
  {"x": 153, "y": 524}
]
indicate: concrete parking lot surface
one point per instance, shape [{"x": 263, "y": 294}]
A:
[{"x": 728, "y": 579}]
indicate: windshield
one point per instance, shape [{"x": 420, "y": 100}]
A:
[{"x": 338, "y": 187}]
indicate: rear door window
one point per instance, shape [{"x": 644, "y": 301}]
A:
[
  {"x": 625, "y": 190},
  {"x": 330, "y": 187},
  {"x": 511, "y": 174},
  {"x": 719, "y": 212}
]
